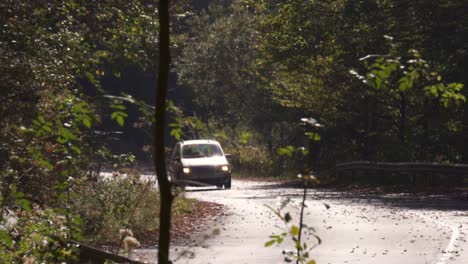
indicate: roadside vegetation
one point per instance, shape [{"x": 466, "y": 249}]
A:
[
  {"x": 386, "y": 79},
  {"x": 110, "y": 205}
]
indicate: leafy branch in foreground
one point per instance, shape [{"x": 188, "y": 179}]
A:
[{"x": 302, "y": 250}]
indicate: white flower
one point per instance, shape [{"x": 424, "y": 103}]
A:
[
  {"x": 353, "y": 72},
  {"x": 388, "y": 37}
]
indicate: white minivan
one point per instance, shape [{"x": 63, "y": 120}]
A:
[{"x": 199, "y": 162}]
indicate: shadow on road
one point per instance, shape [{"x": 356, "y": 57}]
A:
[
  {"x": 204, "y": 189},
  {"x": 433, "y": 202},
  {"x": 293, "y": 184},
  {"x": 430, "y": 198}
]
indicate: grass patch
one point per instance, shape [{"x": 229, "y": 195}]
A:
[{"x": 106, "y": 206}]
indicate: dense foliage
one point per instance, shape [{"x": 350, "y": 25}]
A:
[
  {"x": 386, "y": 78},
  {"x": 52, "y": 146}
]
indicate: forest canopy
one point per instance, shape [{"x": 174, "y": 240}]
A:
[{"x": 386, "y": 79}]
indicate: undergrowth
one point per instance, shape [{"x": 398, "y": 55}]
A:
[{"x": 107, "y": 206}]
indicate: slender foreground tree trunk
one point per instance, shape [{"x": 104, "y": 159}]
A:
[{"x": 159, "y": 155}]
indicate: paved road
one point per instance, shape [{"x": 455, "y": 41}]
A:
[{"x": 355, "y": 229}]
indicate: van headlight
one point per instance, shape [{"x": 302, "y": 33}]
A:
[
  {"x": 225, "y": 168},
  {"x": 186, "y": 170}
]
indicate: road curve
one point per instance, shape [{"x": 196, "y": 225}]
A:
[{"x": 355, "y": 229}]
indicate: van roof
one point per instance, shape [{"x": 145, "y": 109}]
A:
[{"x": 199, "y": 141}]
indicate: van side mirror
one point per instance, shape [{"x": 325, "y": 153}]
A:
[{"x": 228, "y": 156}]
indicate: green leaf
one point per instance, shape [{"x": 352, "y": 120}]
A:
[
  {"x": 87, "y": 122},
  {"x": 119, "y": 117},
  {"x": 431, "y": 91},
  {"x": 67, "y": 134},
  {"x": 297, "y": 244},
  {"x": 76, "y": 149},
  {"x": 294, "y": 230},
  {"x": 377, "y": 83},
  {"x": 91, "y": 78},
  {"x": 24, "y": 203},
  {"x": 41, "y": 119},
  {"x": 36, "y": 123},
  {"x": 62, "y": 140},
  {"x": 178, "y": 125},
  {"x": 118, "y": 106},
  {"x": 45, "y": 164},
  {"x": 120, "y": 120},
  {"x": 286, "y": 151},
  {"x": 245, "y": 136},
  {"x": 405, "y": 83},
  {"x": 114, "y": 115},
  {"x": 6, "y": 238},
  {"x": 270, "y": 243},
  {"x": 313, "y": 136},
  {"x": 176, "y": 133},
  {"x": 64, "y": 173},
  {"x": 46, "y": 128},
  {"x": 311, "y": 262}
]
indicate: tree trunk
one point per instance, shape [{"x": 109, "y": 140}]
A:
[{"x": 159, "y": 153}]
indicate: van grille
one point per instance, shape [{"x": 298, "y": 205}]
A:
[{"x": 203, "y": 171}]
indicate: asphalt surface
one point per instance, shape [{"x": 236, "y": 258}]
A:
[{"x": 397, "y": 228}]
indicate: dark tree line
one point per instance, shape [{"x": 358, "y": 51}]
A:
[
  {"x": 404, "y": 102},
  {"x": 386, "y": 78}
]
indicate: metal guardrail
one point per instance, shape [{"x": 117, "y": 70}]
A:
[
  {"x": 402, "y": 172},
  {"x": 422, "y": 167},
  {"x": 89, "y": 254}
]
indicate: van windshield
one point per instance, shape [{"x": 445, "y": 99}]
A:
[{"x": 200, "y": 151}]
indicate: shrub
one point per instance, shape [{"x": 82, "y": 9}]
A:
[
  {"x": 40, "y": 235},
  {"x": 252, "y": 160},
  {"x": 109, "y": 205}
]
